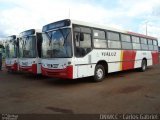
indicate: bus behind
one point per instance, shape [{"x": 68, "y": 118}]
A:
[
  {"x": 12, "y": 52},
  {"x": 30, "y": 51}
]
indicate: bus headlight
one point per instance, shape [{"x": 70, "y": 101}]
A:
[
  {"x": 69, "y": 62},
  {"x": 43, "y": 65},
  {"x": 64, "y": 66}
]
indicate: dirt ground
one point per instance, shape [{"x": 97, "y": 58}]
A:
[{"x": 122, "y": 92}]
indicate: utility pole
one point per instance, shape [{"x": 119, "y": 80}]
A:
[
  {"x": 146, "y": 27},
  {"x": 69, "y": 13}
]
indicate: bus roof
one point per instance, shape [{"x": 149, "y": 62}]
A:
[
  {"x": 141, "y": 35},
  {"x": 67, "y": 22},
  {"x": 11, "y": 37},
  {"x": 110, "y": 28},
  {"x": 30, "y": 31}
]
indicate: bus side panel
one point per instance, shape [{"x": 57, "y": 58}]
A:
[
  {"x": 85, "y": 70},
  {"x": 114, "y": 60},
  {"x": 85, "y": 66},
  {"x": 155, "y": 57},
  {"x": 128, "y": 59},
  {"x": 113, "y": 67},
  {"x": 149, "y": 58},
  {"x": 75, "y": 72},
  {"x": 139, "y": 57}
]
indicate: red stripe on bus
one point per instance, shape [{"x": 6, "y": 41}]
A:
[
  {"x": 34, "y": 68},
  {"x": 128, "y": 59},
  {"x": 155, "y": 57},
  {"x": 29, "y": 69},
  {"x": 13, "y": 67}
]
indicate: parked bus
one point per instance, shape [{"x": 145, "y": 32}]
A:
[
  {"x": 11, "y": 53},
  {"x": 3, "y": 41},
  {"x": 73, "y": 49},
  {"x": 2, "y": 47},
  {"x": 1, "y": 54},
  {"x": 30, "y": 51}
]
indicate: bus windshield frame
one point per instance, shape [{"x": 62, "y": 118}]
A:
[
  {"x": 28, "y": 46},
  {"x": 57, "y": 43},
  {"x": 11, "y": 49}
]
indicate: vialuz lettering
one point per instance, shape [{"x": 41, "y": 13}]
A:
[{"x": 108, "y": 53}]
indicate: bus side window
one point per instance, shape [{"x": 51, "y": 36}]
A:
[
  {"x": 99, "y": 38},
  {"x": 113, "y": 40},
  {"x": 126, "y": 42},
  {"x": 136, "y": 43},
  {"x": 150, "y": 44},
  {"x": 155, "y": 44},
  {"x": 144, "y": 43},
  {"x": 39, "y": 44}
]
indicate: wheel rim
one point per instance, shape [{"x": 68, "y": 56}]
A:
[
  {"x": 99, "y": 73},
  {"x": 144, "y": 66}
]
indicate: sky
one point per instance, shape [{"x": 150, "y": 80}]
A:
[{"x": 131, "y": 15}]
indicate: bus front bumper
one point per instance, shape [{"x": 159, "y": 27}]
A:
[
  {"x": 29, "y": 69},
  {"x": 12, "y": 67},
  {"x": 58, "y": 73}
]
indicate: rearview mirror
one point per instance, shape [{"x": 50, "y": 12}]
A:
[{"x": 81, "y": 37}]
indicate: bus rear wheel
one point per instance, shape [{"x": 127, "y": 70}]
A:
[
  {"x": 99, "y": 73},
  {"x": 143, "y": 66}
]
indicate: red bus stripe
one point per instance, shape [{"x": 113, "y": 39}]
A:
[
  {"x": 128, "y": 59},
  {"x": 155, "y": 57}
]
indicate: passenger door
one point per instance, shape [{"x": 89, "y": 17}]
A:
[{"x": 83, "y": 46}]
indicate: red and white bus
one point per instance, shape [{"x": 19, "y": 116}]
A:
[
  {"x": 30, "y": 51},
  {"x": 73, "y": 49},
  {"x": 12, "y": 52}
]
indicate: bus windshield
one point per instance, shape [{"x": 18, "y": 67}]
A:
[
  {"x": 57, "y": 44},
  {"x": 11, "y": 50},
  {"x": 28, "y": 47}
]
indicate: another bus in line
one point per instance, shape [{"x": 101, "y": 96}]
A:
[
  {"x": 73, "y": 49},
  {"x": 2, "y": 48},
  {"x": 2, "y": 51},
  {"x": 12, "y": 53},
  {"x": 30, "y": 51}
]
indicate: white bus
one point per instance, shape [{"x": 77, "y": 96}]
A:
[
  {"x": 73, "y": 49},
  {"x": 30, "y": 51},
  {"x": 11, "y": 53},
  {"x": 2, "y": 47}
]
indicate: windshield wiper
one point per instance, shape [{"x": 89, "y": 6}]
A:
[
  {"x": 50, "y": 40},
  {"x": 49, "y": 37},
  {"x": 62, "y": 35}
]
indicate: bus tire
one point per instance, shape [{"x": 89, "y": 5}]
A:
[
  {"x": 143, "y": 66},
  {"x": 99, "y": 73}
]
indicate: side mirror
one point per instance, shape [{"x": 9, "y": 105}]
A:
[{"x": 81, "y": 37}]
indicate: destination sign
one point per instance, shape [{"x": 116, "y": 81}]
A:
[
  {"x": 13, "y": 37},
  {"x": 54, "y": 25},
  {"x": 28, "y": 32}
]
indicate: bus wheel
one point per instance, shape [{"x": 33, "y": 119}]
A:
[
  {"x": 99, "y": 73},
  {"x": 143, "y": 66}
]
